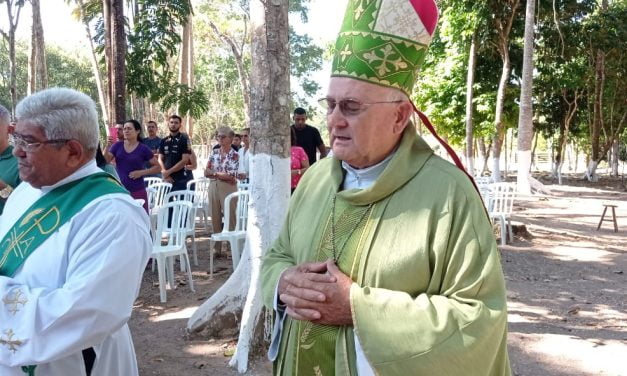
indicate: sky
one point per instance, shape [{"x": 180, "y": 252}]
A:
[{"x": 61, "y": 29}]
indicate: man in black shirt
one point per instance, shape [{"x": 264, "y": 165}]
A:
[
  {"x": 174, "y": 153},
  {"x": 307, "y": 137}
]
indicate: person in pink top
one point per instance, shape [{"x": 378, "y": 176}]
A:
[{"x": 299, "y": 162}]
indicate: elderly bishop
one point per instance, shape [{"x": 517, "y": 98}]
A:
[{"x": 387, "y": 263}]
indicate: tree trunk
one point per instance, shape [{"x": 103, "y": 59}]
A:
[
  {"x": 504, "y": 28},
  {"x": 563, "y": 140},
  {"x": 485, "y": 155},
  {"x": 102, "y": 95},
  {"x": 37, "y": 72},
  {"x": 470, "y": 81},
  {"x": 499, "y": 133},
  {"x": 118, "y": 51},
  {"x": 597, "y": 119},
  {"x": 108, "y": 55},
  {"x": 186, "y": 67},
  {"x": 525, "y": 118},
  {"x": 614, "y": 160},
  {"x": 10, "y": 38},
  {"x": 269, "y": 187},
  {"x": 239, "y": 63}
]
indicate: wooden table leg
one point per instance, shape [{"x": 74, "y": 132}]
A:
[
  {"x": 602, "y": 216},
  {"x": 614, "y": 218}
]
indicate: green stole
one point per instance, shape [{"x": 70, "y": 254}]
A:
[
  {"x": 49, "y": 213},
  {"x": 312, "y": 346},
  {"x": 45, "y": 216}
]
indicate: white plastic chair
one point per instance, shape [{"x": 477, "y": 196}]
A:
[
  {"x": 501, "y": 201},
  {"x": 201, "y": 190},
  {"x": 171, "y": 220},
  {"x": 156, "y": 196},
  {"x": 190, "y": 221},
  {"x": 237, "y": 236},
  {"x": 152, "y": 180}
]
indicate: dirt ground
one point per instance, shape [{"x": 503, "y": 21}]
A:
[{"x": 566, "y": 284}]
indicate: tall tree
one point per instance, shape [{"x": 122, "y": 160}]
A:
[
  {"x": 270, "y": 150},
  {"x": 525, "y": 120},
  {"x": 38, "y": 72},
  {"x": 597, "y": 119},
  {"x": 503, "y": 21},
  {"x": 186, "y": 67},
  {"x": 14, "y": 7},
  {"x": 115, "y": 55},
  {"x": 470, "y": 81}
]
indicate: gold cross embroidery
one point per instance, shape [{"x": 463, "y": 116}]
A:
[
  {"x": 13, "y": 300},
  {"x": 390, "y": 56},
  {"x": 9, "y": 341},
  {"x": 345, "y": 53}
]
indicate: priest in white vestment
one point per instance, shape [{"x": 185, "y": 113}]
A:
[{"x": 66, "y": 293}]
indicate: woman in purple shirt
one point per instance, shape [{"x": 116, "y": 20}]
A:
[{"x": 130, "y": 158}]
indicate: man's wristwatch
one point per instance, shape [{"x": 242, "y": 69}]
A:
[{"x": 6, "y": 192}]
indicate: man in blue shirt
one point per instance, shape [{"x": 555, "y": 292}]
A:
[{"x": 152, "y": 141}]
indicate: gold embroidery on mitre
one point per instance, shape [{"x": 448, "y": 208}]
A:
[
  {"x": 388, "y": 59},
  {"x": 13, "y": 300},
  {"x": 10, "y": 342}
]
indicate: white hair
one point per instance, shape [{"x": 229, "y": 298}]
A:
[
  {"x": 226, "y": 129},
  {"x": 62, "y": 113},
  {"x": 5, "y": 116}
]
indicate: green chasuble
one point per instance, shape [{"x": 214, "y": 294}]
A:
[{"x": 428, "y": 296}]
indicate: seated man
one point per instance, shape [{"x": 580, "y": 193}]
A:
[
  {"x": 387, "y": 263},
  {"x": 73, "y": 248}
]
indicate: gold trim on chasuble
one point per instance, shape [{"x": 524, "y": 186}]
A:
[{"x": 315, "y": 350}]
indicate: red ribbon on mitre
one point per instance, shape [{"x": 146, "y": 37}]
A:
[{"x": 425, "y": 120}]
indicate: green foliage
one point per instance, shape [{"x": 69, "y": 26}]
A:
[
  {"x": 441, "y": 88},
  {"x": 65, "y": 68},
  {"x": 152, "y": 45},
  {"x": 305, "y": 58}
]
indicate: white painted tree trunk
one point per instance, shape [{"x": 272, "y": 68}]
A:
[
  {"x": 525, "y": 119},
  {"x": 591, "y": 171},
  {"x": 269, "y": 178},
  {"x": 522, "y": 179},
  {"x": 270, "y": 174},
  {"x": 496, "y": 169}
]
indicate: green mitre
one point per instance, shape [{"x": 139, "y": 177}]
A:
[{"x": 385, "y": 41}]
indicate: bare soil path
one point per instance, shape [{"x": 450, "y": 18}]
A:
[{"x": 567, "y": 295}]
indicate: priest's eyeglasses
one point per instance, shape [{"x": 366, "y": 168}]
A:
[
  {"x": 348, "y": 106},
  {"x": 30, "y": 146}
]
